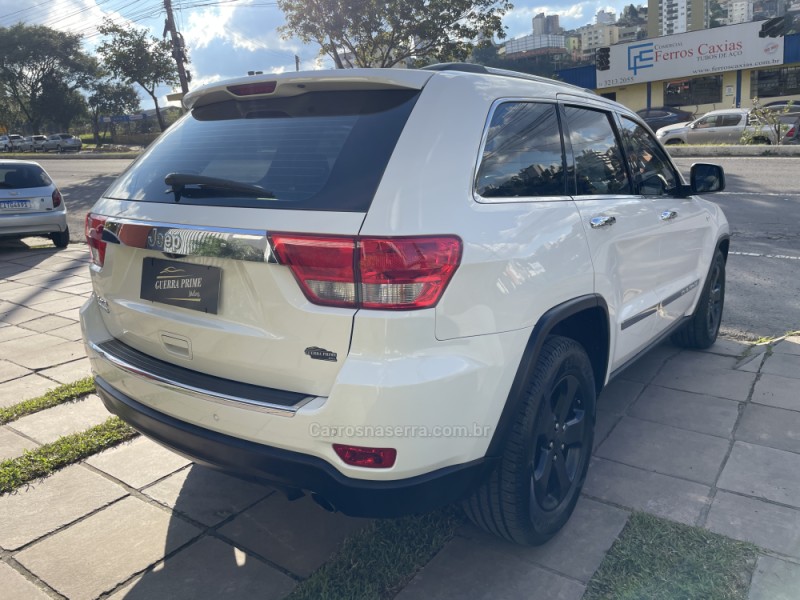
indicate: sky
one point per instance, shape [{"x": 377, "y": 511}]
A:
[{"x": 227, "y": 38}]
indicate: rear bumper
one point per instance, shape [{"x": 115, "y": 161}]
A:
[
  {"x": 36, "y": 223},
  {"x": 258, "y": 462}
]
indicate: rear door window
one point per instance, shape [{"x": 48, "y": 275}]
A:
[
  {"x": 596, "y": 150},
  {"x": 523, "y": 155},
  {"x": 318, "y": 150}
]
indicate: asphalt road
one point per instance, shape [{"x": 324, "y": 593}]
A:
[{"x": 762, "y": 202}]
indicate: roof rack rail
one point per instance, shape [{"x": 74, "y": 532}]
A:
[{"x": 473, "y": 68}]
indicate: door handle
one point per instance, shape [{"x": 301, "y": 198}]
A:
[
  {"x": 598, "y": 222},
  {"x": 668, "y": 215}
]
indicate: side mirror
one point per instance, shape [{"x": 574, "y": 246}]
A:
[
  {"x": 705, "y": 178},
  {"x": 693, "y": 124}
]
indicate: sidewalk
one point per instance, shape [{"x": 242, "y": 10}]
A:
[{"x": 710, "y": 439}]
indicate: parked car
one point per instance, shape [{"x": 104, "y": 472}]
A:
[
  {"x": 26, "y": 145},
  {"x": 717, "y": 127},
  {"x": 62, "y": 142},
  {"x": 792, "y": 124},
  {"x": 9, "y": 142},
  {"x": 663, "y": 116},
  {"x": 37, "y": 142},
  {"x": 301, "y": 284},
  {"x": 781, "y": 105},
  {"x": 30, "y": 203}
]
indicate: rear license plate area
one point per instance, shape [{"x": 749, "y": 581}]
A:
[{"x": 196, "y": 287}]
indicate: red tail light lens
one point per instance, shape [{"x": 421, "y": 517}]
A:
[
  {"x": 406, "y": 273},
  {"x": 323, "y": 266},
  {"x": 94, "y": 238},
  {"x": 376, "y": 273},
  {"x": 790, "y": 133},
  {"x": 374, "y": 458},
  {"x": 56, "y": 198}
]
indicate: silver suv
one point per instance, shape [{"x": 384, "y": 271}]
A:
[{"x": 396, "y": 288}]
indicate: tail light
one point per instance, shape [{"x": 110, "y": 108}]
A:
[
  {"x": 94, "y": 238},
  {"x": 56, "y": 198},
  {"x": 375, "y": 273},
  {"x": 790, "y": 133},
  {"x": 374, "y": 458}
]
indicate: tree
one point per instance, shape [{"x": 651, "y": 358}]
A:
[
  {"x": 137, "y": 57},
  {"x": 769, "y": 124},
  {"x": 40, "y": 68},
  {"x": 368, "y": 33},
  {"x": 107, "y": 98}
]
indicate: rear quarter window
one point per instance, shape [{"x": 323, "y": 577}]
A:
[
  {"x": 318, "y": 151},
  {"x": 523, "y": 154}
]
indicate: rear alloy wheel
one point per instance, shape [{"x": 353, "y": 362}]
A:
[
  {"x": 60, "y": 238},
  {"x": 533, "y": 491},
  {"x": 702, "y": 329}
]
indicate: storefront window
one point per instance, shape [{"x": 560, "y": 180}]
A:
[
  {"x": 701, "y": 90},
  {"x": 767, "y": 83}
]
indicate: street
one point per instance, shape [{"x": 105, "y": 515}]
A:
[{"x": 760, "y": 201}]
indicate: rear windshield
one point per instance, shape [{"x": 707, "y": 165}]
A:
[
  {"x": 14, "y": 177},
  {"x": 315, "y": 151}
]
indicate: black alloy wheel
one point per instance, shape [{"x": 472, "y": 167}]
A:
[
  {"x": 531, "y": 494},
  {"x": 558, "y": 443},
  {"x": 702, "y": 328}
]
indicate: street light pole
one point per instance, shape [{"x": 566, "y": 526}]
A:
[{"x": 178, "y": 49}]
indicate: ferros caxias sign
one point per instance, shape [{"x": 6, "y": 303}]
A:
[{"x": 702, "y": 52}]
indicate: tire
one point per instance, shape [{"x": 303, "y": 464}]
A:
[
  {"x": 525, "y": 500},
  {"x": 60, "y": 238},
  {"x": 702, "y": 329}
]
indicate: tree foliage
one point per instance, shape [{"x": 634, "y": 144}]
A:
[
  {"x": 40, "y": 71},
  {"x": 137, "y": 57},
  {"x": 108, "y": 97},
  {"x": 768, "y": 123},
  {"x": 369, "y": 33}
]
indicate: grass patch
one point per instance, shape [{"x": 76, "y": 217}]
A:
[
  {"x": 59, "y": 395},
  {"x": 36, "y": 464},
  {"x": 655, "y": 559},
  {"x": 377, "y": 561}
]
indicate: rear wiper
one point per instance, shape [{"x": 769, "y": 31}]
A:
[{"x": 179, "y": 181}]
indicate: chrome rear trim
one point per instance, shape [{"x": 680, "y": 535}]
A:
[
  {"x": 176, "y": 239},
  {"x": 182, "y": 387}
]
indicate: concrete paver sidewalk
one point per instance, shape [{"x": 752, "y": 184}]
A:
[{"x": 710, "y": 439}]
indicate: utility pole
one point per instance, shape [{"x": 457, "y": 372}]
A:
[{"x": 178, "y": 47}]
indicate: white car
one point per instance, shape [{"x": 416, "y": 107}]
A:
[
  {"x": 9, "y": 143},
  {"x": 396, "y": 289},
  {"x": 30, "y": 203}
]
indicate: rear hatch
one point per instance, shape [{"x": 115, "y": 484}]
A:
[
  {"x": 24, "y": 188},
  {"x": 189, "y": 276}
]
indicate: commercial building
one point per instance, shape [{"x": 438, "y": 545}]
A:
[{"x": 699, "y": 70}]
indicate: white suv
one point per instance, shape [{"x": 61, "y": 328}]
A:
[{"x": 396, "y": 289}]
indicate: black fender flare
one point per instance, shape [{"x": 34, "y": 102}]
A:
[{"x": 530, "y": 355}]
